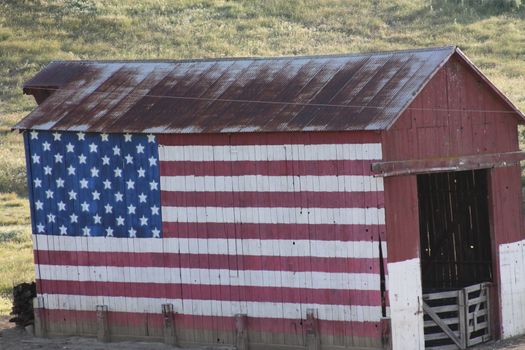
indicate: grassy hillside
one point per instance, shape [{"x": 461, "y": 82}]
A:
[{"x": 33, "y": 32}]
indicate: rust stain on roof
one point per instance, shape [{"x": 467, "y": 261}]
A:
[{"x": 319, "y": 93}]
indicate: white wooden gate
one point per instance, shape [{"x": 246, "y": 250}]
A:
[{"x": 457, "y": 319}]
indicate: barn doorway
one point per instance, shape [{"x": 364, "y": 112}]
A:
[{"x": 456, "y": 259}]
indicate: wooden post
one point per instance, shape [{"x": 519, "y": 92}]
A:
[
  {"x": 312, "y": 341},
  {"x": 170, "y": 336},
  {"x": 241, "y": 333},
  {"x": 386, "y": 332},
  {"x": 40, "y": 320},
  {"x": 102, "y": 323}
]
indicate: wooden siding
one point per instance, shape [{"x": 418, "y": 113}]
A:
[
  {"x": 456, "y": 114},
  {"x": 268, "y": 225}
]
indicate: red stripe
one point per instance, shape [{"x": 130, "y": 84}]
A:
[
  {"x": 212, "y": 292},
  {"x": 325, "y": 232},
  {"x": 209, "y": 261},
  {"x": 269, "y": 168},
  {"x": 273, "y": 199},
  {"x": 218, "y": 323},
  {"x": 308, "y": 138}
]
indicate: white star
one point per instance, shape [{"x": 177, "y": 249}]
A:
[
  {"x": 109, "y": 232},
  {"x": 63, "y": 230},
  {"x": 97, "y": 219},
  {"x": 82, "y": 159},
  {"x": 129, "y": 159},
  {"x": 118, "y": 172},
  {"x": 34, "y": 135},
  {"x": 81, "y": 136},
  {"x": 156, "y": 233},
  {"x": 36, "y": 158},
  {"x": 142, "y": 198},
  {"x": 92, "y": 148},
  {"x": 85, "y": 206},
  {"x": 118, "y": 197},
  {"x": 51, "y": 218},
  {"x": 152, "y": 161},
  {"x": 107, "y": 184},
  {"x": 142, "y": 172},
  {"x": 109, "y": 208},
  {"x": 140, "y": 148},
  {"x": 39, "y": 205},
  {"x": 40, "y": 228},
  {"x": 61, "y": 206},
  {"x": 116, "y": 151},
  {"x": 47, "y": 170},
  {"x": 58, "y": 158},
  {"x": 96, "y": 195},
  {"x": 132, "y": 233},
  {"x": 94, "y": 172},
  {"x": 37, "y": 182},
  {"x": 131, "y": 209},
  {"x": 72, "y": 195},
  {"x": 57, "y": 136},
  {"x": 151, "y": 138},
  {"x": 71, "y": 170},
  {"x": 49, "y": 194},
  {"x": 131, "y": 184},
  {"x": 70, "y": 147},
  {"x": 46, "y": 146},
  {"x": 105, "y": 160},
  {"x": 60, "y": 182},
  {"x": 120, "y": 221},
  {"x": 153, "y": 185},
  {"x": 127, "y": 137},
  {"x": 154, "y": 210},
  {"x": 73, "y": 218},
  {"x": 104, "y": 137},
  {"x": 86, "y": 231},
  {"x": 143, "y": 221},
  {"x": 83, "y": 183}
]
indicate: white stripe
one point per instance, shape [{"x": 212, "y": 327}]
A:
[
  {"x": 342, "y": 216},
  {"x": 358, "y": 313},
  {"x": 271, "y": 152},
  {"x": 253, "y": 278},
  {"x": 224, "y": 246},
  {"x": 263, "y": 183}
]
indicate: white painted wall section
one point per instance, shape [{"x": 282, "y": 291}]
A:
[
  {"x": 406, "y": 310},
  {"x": 512, "y": 281}
]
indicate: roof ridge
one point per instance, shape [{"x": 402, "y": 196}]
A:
[{"x": 256, "y": 58}]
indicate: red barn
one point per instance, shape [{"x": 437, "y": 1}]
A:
[{"x": 322, "y": 202}]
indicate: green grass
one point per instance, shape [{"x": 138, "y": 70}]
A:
[{"x": 33, "y": 32}]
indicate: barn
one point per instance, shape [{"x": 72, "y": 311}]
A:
[{"x": 323, "y": 202}]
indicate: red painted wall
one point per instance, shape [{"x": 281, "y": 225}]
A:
[{"x": 456, "y": 114}]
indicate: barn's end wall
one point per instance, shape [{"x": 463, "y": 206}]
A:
[
  {"x": 456, "y": 114},
  {"x": 267, "y": 225}
]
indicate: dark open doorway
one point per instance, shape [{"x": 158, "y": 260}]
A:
[
  {"x": 454, "y": 229},
  {"x": 456, "y": 268}
]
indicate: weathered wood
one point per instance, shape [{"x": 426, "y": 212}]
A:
[
  {"x": 312, "y": 340},
  {"x": 170, "y": 336},
  {"x": 452, "y": 335},
  {"x": 386, "y": 333},
  {"x": 433, "y": 165},
  {"x": 241, "y": 332},
  {"x": 40, "y": 320},
  {"x": 102, "y": 323}
]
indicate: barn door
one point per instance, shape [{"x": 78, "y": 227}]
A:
[{"x": 456, "y": 266}]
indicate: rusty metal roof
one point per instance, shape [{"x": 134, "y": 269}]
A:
[{"x": 319, "y": 93}]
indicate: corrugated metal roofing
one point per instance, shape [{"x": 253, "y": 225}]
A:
[{"x": 325, "y": 93}]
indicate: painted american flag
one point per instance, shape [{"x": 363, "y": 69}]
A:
[{"x": 217, "y": 225}]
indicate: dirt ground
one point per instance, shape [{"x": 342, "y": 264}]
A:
[{"x": 18, "y": 339}]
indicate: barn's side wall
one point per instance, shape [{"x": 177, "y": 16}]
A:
[
  {"x": 267, "y": 225},
  {"x": 456, "y": 114}
]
